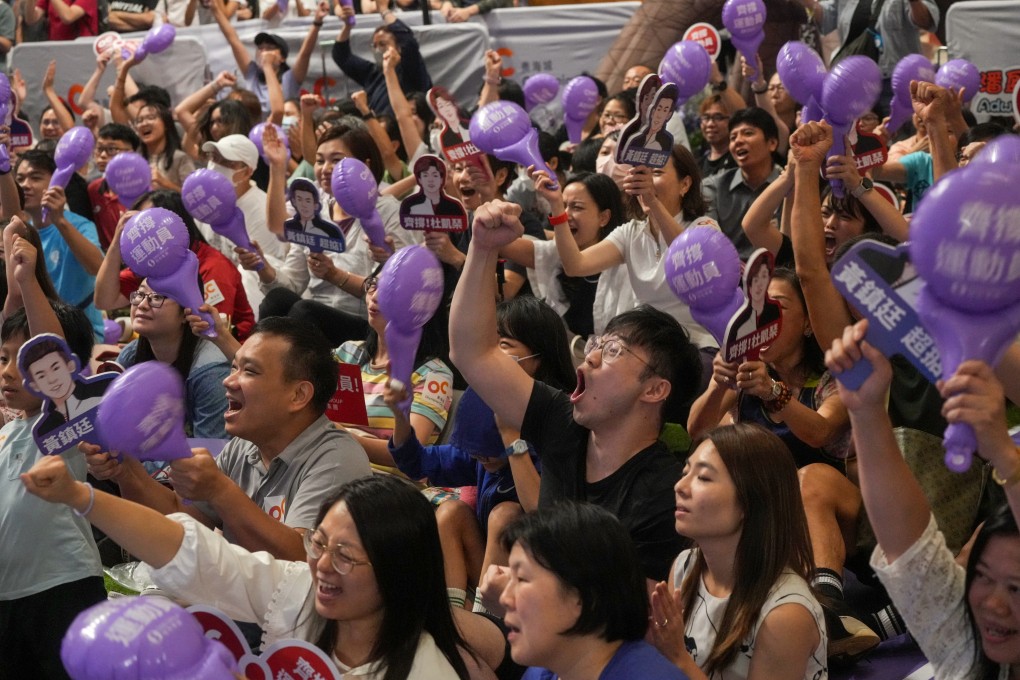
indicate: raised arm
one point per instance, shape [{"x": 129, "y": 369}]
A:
[
  {"x": 382, "y": 140},
  {"x": 409, "y": 134},
  {"x": 896, "y": 504},
  {"x": 88, "y": 91},
  {"x": 933, "y": 106},
  {"x": 64, "y": 116},
  {"x": 241, "y": 54},
  {"x": 885, "y": 213},
  {"x": 758, "y": 223},
  {"x": 300, "y": 67},
  {"x": 474, "y": 347},
  {"x": 493, "y": 69},
  {"x": 763, "y": 101},
  {"x": 276, "y": 192},
  {"x": 118, "y": 110},
  {"x": 309, "y": 103},
  {"x": 108, "y": 295},
  {"x": 826, "y": 310},
  {"x": 41, "y": 318},
  {"x": 269, "y": 61},
  {"x": 87, "y": 253}
]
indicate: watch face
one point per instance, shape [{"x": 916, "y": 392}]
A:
[{"x": 777, "y": 389}]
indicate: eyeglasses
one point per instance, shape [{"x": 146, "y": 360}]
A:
[
  {"x": 776, "y": 87},
  {"x": 149, "y": 118},
  {"x": 155, "y": 299},
  {"x": 109, "y": 150},
  {"x": 612, "y": 349},
  {"x": 609, "y": 115},
  {"x": 520, "y": 359},
  {"x": 370, "y": 284},
  {"x": 341, "y": 562},
  {"x": 715, "y": 118}
]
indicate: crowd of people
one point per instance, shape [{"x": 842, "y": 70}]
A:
[{"x": 576, "y": 482}]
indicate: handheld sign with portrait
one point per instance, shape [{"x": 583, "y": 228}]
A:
[
  {"x": 758, "y": 322},
  {"x": 307, "y": 227},
  {"x": 52, "y": 372},
  {"x": 650, "y": 84},
  {"x": 430, "y": 207},
  {"x": 652, "y": 144},
  {"x": 454, "y": 138}
]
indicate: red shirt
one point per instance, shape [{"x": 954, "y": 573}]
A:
[
  {"x": 87, "y": 25},
  {"x": 106, "y": 210},
  {"x": 218, "y": 274}
]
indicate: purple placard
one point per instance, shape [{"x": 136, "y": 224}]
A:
[
  {"x": 51, "y": 372},
  {"x": 307, "y": 227},
  {"x": 879, "y": 281}
]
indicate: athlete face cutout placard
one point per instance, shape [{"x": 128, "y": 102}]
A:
[
  {"x": 307, "y": 227},
  {"x": 430, "y": 208},
  {"x": 757, "y": 324}
]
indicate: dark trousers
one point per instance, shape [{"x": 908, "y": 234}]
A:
[{"x": 31, "y": 628}]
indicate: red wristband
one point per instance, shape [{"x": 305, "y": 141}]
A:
[{"x": 558, "y": 219}]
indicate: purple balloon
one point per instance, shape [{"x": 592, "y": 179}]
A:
[
  {"x": 351, "y": 21},
  {"x": 159, "y": 38},
  {"x": 409, "y": 293},
  {"x": 962, "y": 242},
  {"x": 111, "y": 332},
  {"x": 183, "y": 287},
  {"x": 703, "y": 270},
  {"x": 144, "y": 638},
  {"x": 958, "y": 73},
  {"x": 503, "y": 129},
  {"x": 209, "y": 197},
  {"x": 850, "y": 90},
  {"x": 129, "y": 176},
  {"x": 255, "y": 135},
  {"x": 812, "y": 112},
  {"x": 282, "y": 6},
  {"x": 580, "y": 97},
  {"x": 540, "y": 88},
  {"x": 801, "y": 71},
  {"x": 142, "y": 413},
  {"x": 355, "y": 189},
  {"x": 1003, "y": 150},
  {"x": 687, "y": 65},
  {"x": 73, "y": 151},
  {"x": 910, "y": 67},
  {"x": 154, "y": 242},
  {"x": 745, "y": 20}
]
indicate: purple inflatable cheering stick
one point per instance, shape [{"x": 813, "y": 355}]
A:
[
  {"x": 580, "y": 97},
  {"x": 351, "y": 21},
  {"x": 910, "y": 67},
  {"x": 802, "y": 73},
  {"x": 5, "y": 112},
  {"x": 154, "y": 245},
  {"x": 410, "y": 290},
  {"x": 745, "y": 20},
  {"x": 703, "y": 270},
  {"x": 688, "y": 66},
  {"x": 209, "y": 197},
  {"x": 958, "y": 73},
  {"x": 964, "y": 245},
  {"x": 73, "y": 151},
  {"x": 540, "y": 88},
  {"x": 850, "y": 90},
  {"x": 129, "y": 176},
  {"x": 503, "y": 129},
  {"x": 142, "y": 413},
  {"x": 157, "y": 40},
  {"x": 355, "y": 189},
  {"x": 255, "y": 135},
  {"x": 143, "y": 638}
]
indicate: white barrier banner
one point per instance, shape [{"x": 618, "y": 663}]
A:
[{"x": 987, "y": 33}]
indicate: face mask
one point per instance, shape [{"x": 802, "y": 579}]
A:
[
  {"x": 289, "y": 122},
  {"x": 222, "y": 169},
  {"x": 604, "y": 164}
]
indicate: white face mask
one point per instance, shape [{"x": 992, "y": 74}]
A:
[
  {"x": 289, "y": 122},
  {"x": 222, "y": 169}
]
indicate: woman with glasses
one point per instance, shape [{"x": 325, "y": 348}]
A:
[
  {"x": 480, "y": 453},
  {"x": 165, "y": 335},
  {"x": 617, "y": 110},
  {"x": 161, "y": 145},
  {"x": 370, "y": 595},
  {"x": 431, "y": 381}
]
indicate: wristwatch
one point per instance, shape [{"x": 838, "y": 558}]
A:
[
  {"x": 518, "y": 447},
  {"x": 864, "y": 187},
  {"x": 777, "y": 390}
]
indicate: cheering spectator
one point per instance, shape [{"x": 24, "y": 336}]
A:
[{"x": 66, "y": 20}]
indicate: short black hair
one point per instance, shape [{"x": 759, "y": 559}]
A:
[
  {"x": 591, "y": 553},
  {"x": 39, "y": 159},
  {"x": 671, "y": 355},
  {"x": 495, "y": 164},
  {"x": 172, "y": 201},
  {"x": 120, "y": 133},
  {"x": 309, "y": 356},
  {"x": 75, "y": 325},
  {"x": 756, "y": 117},
  {"x": 982, "y": 132},
  {"x": 42, "y": 348},
  {"x": 511, "y": 91},
  {"x": 585, "y": 154}
]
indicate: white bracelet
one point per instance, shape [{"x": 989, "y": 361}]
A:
[{"x": 92, "y": 501}]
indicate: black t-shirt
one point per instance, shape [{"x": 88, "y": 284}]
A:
[{"x": 639, "y": 493}]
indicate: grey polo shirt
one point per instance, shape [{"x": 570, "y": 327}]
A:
[
  {"x": 900, "y": 36},
  {"x": 297, "y": 481},
  {"x": 728, "y": 197}
]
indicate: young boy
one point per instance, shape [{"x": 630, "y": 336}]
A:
[{"x": 49, "y": 565}]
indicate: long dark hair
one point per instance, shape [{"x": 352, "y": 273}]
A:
[
  {"x": 535, "y": 325},
  {"x": 1002, "y": 523},
  {"x": 773, "y": 537},
  {"x": 686, "y": 165},
  {"x": 606, "y": 195},
  {"x": 172, "y": 139},
  {"x": 234, "y": 117},
  {"x": 185, "y": 350},
  {"x": 813, "y": 361},
  {"x": 397, "y": 525}
]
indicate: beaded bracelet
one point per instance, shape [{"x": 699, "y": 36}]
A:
[{"x": 92, "y": 501}]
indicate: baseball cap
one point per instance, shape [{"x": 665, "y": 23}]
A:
[
  {"x": 275, "y": 39},
  {"x": 235, "y": 148}
]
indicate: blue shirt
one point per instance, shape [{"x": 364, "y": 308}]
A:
[
  {"x": 633, "y": 660},
  {"x": 74, "y": 285}
]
